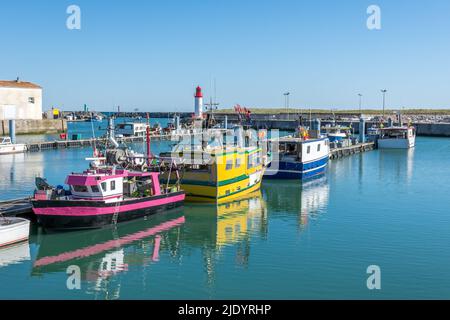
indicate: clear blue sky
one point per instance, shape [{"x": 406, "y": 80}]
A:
[{"x": 151, "y": 54}]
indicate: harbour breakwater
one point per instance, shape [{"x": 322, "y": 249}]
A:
[
  {"x": 44, "y": 126},
  {"x": 289, "y": 122}
]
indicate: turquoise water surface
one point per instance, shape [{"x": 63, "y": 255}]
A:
[{"x": 315, "y": 240}]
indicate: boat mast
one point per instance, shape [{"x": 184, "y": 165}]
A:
[{"x": 148, "y": 140}]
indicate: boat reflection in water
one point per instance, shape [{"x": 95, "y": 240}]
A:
[
  {"x": 308, "y": 199},
  {"x": 103, "y": 254},
  {"x": 400, "y": 162},
  {"x": 225, "y": 227},
  {"x": 14, "y": 254}
]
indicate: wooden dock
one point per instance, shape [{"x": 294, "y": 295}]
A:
[
  {"x": 338, "y": 153},
  {"x": 15, "y": 207}
]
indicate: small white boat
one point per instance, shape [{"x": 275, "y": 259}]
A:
[
  {"x": 13, "y": 230},
  {"x": 397, "y": 138},
  {"x": 7, "y": 147}
]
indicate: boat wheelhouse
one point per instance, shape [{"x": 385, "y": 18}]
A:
[
  {"x": 97, "y": 198},
  {"x": 373, "y": 133},
  {"x": 131, "y": 129},
  {"x": 7, "y": 147},
  {"x": 397, "y": 138},
  {"x": 298, "y": 158}
]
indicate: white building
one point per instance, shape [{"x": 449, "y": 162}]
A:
[{"x": 20, "y": 100}]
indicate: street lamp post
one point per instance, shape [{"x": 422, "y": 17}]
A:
[
  {"x": 384, "y": 100},
  {"x": 286, "y": 102},
  {"x": 360, "y": 102}
]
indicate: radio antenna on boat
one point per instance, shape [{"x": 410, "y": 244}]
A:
[
  {"x": 148, "y": 140},
  {"x": 93, "y": 139}
]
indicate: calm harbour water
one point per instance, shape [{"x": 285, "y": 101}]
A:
[{"x": 289, "y": 241}]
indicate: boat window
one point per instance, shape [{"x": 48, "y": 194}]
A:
[
  {"x": 31, "y": 100},
  {"x": 308, "y": 150},
  {"x": 229, "y": 165},
  {"x": 238, "y": 163},
  {"x": 95, "y": 189},
  {"x": 318, "y": 147},
  {"x": 80, "y": 188},
  {"x": 197, "y": 167},
  {"x": 113, "y": 185},
  {"x": 104, "y": 186},
  {"x": 250, "y": 161},
  {"x": 291, "y": 148}
]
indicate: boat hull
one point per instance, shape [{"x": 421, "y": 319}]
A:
[
  {"x": 17, "y": 231},
  {"x": 297, "y": 170},
  {"x": 396, "y": 143},
  {"x": 209, "y": 194},
  {"x": 80, "y": 214},
  {"x": 13, "y": 148}
]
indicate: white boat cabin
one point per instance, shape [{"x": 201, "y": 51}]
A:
[
  {"x": 131, "y": 129},
  {"x": 299, "y": 150},
  {"x": 397, "y": 138},
  {"x": 5, "y": 141}
]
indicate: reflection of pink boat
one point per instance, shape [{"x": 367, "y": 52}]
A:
[
  {"x": 102, "y": 197},
  {"x": 110, "y": 245}
]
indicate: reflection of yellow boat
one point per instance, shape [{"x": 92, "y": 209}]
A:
[
  {"x": 237, "y": 219},
  {"x": 227, "y": 223},
  {"x": 218, "y": 173}
]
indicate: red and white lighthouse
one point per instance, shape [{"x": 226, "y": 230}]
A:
[{"x": 198, "y": 102}]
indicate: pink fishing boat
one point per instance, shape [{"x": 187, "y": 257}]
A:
[{"x": 97, "y": 198}]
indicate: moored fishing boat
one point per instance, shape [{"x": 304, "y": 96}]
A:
[
  {"x": 97, "y": 198},
  {"x": 13, "y": 230},
  {"x": 215, "y": 171},
  {"x": 299, "y": 157},
  {"x": 119, "y": 186}
]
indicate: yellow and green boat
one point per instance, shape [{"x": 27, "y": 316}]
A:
[{"x": 220, "y": 173}]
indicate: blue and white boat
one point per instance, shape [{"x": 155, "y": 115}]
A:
[{"x": 299, "y": 158}]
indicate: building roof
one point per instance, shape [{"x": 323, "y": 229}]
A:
[{"x": 18, "y": 84}]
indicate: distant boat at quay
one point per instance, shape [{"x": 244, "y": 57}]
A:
[
  {"x": 336, "y": 133},
  {"x": 397, "y": 137},
  {"x": 7, "y": 147}
]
